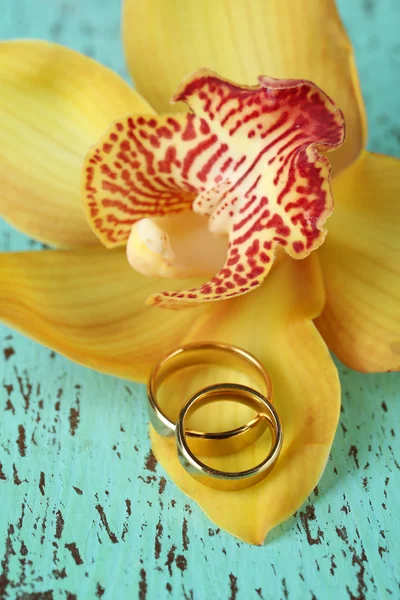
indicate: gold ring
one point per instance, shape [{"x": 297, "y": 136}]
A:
[
  {"x": 208, "y": 353},
  {"x": 223, "y": 479}
]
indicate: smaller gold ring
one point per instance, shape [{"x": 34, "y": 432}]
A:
[
  {"x": 225, "y": 480},
  {"x": 216, "y": 353}
]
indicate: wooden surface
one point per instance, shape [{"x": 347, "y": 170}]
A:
[{"x": 85, "y": 510}]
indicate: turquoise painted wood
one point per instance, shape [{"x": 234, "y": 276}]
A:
[{"x": 85, "y": 511}]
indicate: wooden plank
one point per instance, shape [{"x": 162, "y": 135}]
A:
[{"x": 86, "y": 512}]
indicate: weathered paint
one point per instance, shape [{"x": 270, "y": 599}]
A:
[{"x": 86, "y": 512}]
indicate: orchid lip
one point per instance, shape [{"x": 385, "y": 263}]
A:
[{"x": 246, "y": 158}]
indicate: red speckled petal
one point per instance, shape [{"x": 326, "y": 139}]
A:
[
  {"x": 276, "y": 189},
  {"x": 247, "y": 158},
  {"x": 135, "y": 172}
]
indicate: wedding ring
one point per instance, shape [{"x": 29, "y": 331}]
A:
[
  {"x": 223, "y": 479},
  {"x": 212, "y": 353}
]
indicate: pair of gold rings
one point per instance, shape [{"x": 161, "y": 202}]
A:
[{"x": 192, "y": 443}]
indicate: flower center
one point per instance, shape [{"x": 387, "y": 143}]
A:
[{"x": 177, "y": 247}]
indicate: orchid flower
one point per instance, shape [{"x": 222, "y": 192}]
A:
[{"x": 85, "y": 157}]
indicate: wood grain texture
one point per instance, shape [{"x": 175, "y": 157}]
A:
[{"x": 86, "y": 512}]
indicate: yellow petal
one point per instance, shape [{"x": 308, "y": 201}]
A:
[
  {"x": 89, "y": 305},
  {"x": 54, "y": 103},
  {"x": 275, "y": 323},
  {"x": 361, "y": 266},
  {"x": 241, "y": 40},
  {"x": 247, "y": 158}
]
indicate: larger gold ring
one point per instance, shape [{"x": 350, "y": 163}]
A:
[
  {"x": 223, "y": 479},
  {"x": 208, "y": 353}
]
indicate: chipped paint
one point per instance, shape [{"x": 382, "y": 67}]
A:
[{"x": 78, "y": 502}]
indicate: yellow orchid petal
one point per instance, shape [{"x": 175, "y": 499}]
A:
[
  {"x": 304, "y": 39},
  {"x": 89, "y": 305},
  {"x": 361, "y": 266},
  {"x": 247, "y": 158},
  {"x": 54, "y": 103},
  {"x": 274, "y": 323}
]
